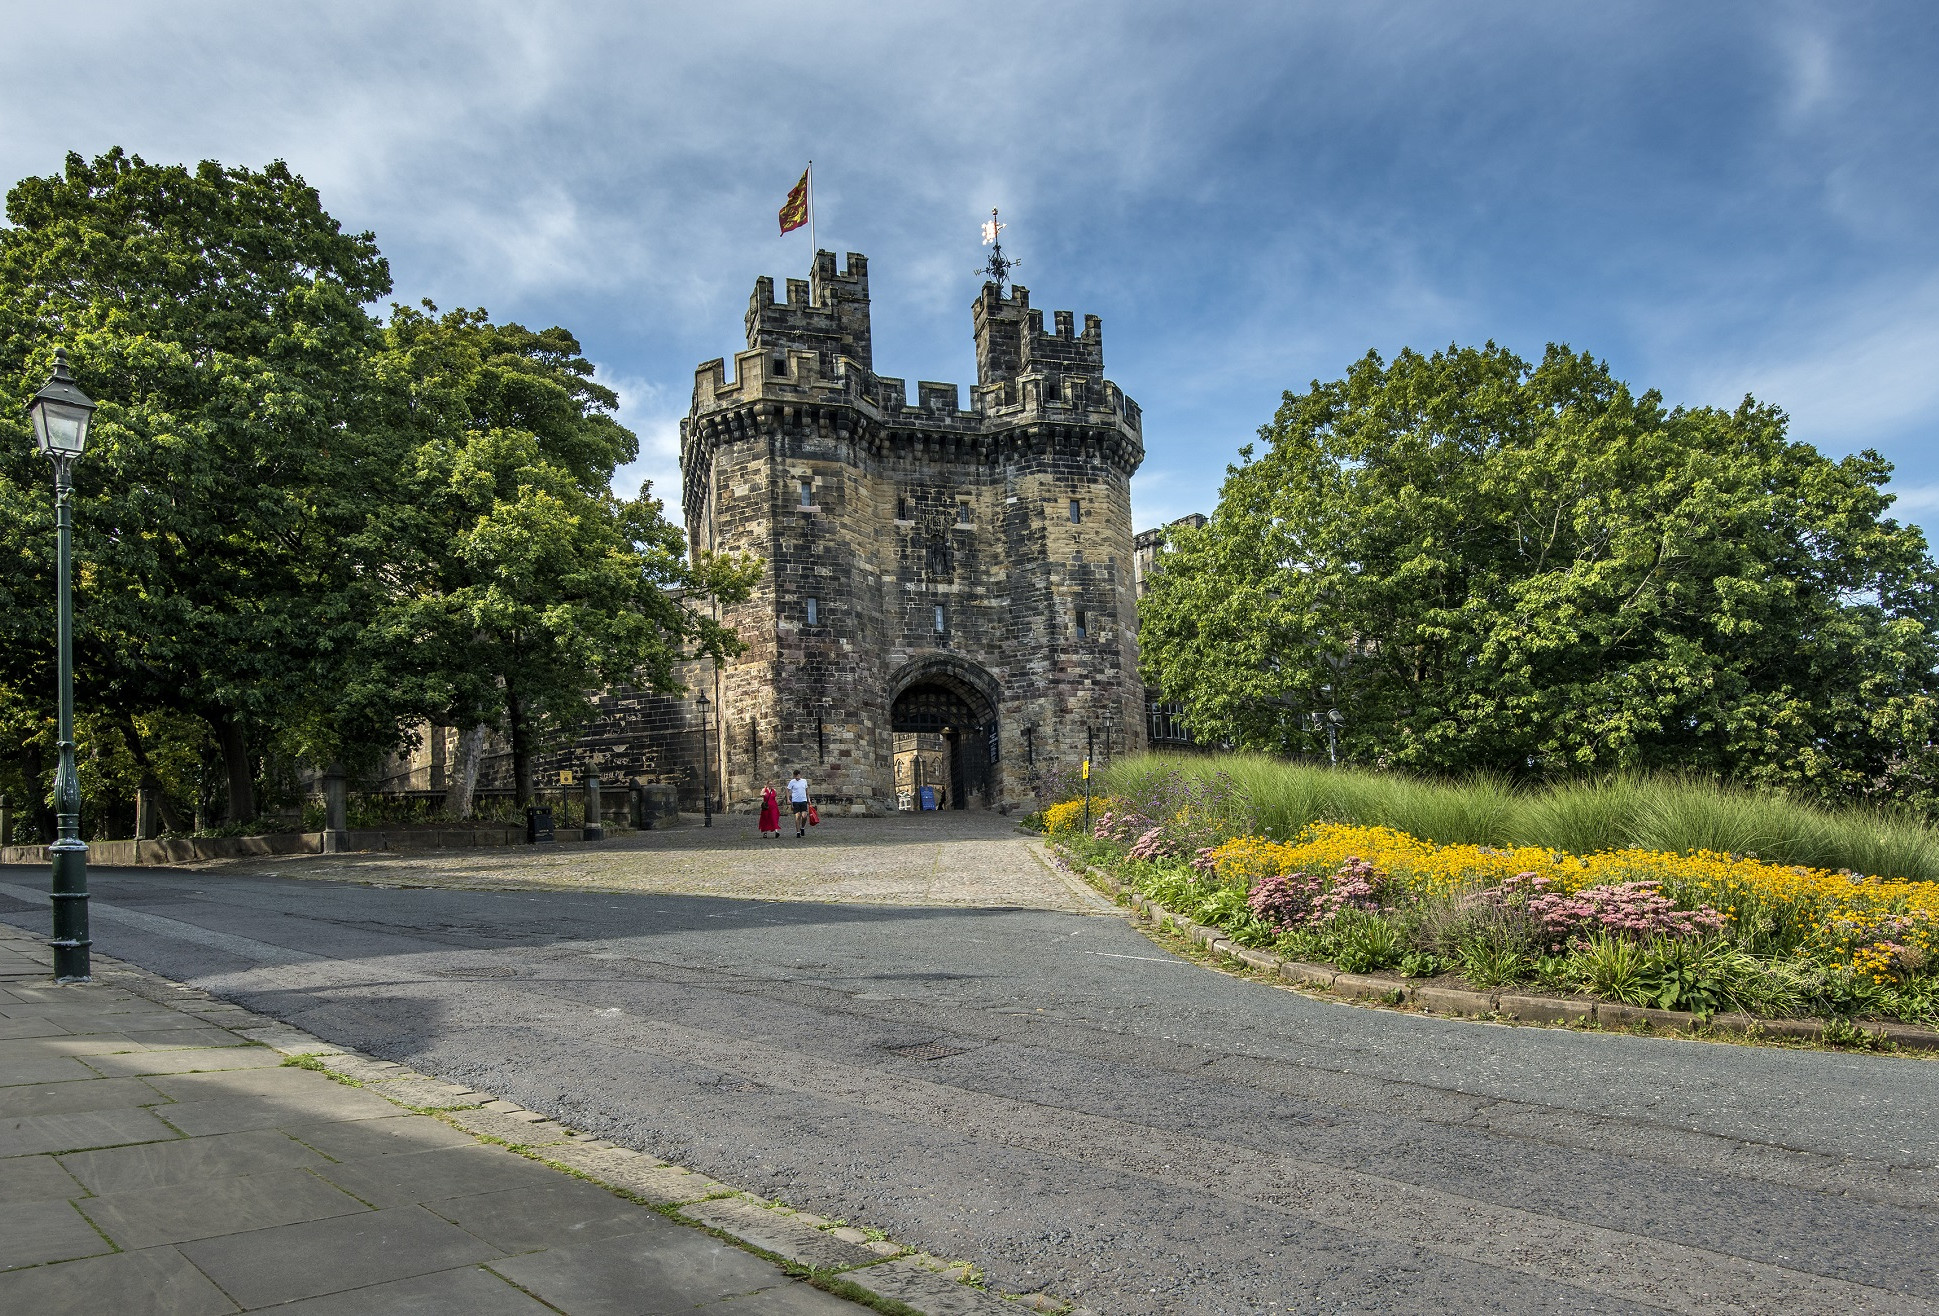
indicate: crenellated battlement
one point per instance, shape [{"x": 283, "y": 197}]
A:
[
  {"x": 826, "y": 313},
  {"x": 813, "y": 346},
  {"x": 1011, "y": 342},
  {"x": 796, "y": 376}
]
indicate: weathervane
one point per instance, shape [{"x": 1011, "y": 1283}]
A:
[{"x": 998, "y": 267}]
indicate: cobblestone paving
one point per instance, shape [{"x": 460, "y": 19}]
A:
[{"x": 971, "y": 859}]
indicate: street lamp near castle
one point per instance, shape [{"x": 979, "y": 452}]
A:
[
  {"x": 61, "y": 413},
  {"x": 706, "y": 769}
]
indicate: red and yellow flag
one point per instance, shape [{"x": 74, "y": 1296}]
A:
[{"x": 794, "y": 211}]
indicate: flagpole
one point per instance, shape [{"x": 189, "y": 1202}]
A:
[{"x": 814, "y": 243}]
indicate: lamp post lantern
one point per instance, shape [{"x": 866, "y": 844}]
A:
[
  {"x": 706, "y": 768},
  {"x": 60, "y": 413}
]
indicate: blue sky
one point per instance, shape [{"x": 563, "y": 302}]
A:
[{"x": 1716, "y": 198}]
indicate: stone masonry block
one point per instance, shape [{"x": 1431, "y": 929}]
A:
[
  {"x": 1312, "y": 975},
  {"x": 1612, "y": 1014},
  {"x": 1453, "y": 1000},
  {"x": 1545, "y": 1009},
  {"x": 1368, "y": 988}
]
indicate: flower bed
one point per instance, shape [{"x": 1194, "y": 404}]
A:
[{"x": 1696, "y": 931}]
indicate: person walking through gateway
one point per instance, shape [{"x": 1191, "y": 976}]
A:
[
  {"x": 798, "y": 797},
  {"x": 770, "y": 813}
]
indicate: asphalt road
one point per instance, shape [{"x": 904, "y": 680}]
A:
[{"x": 1114, "y": 1124}]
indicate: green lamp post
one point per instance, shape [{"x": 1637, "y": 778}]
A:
[{"x": 60, "y": 413}]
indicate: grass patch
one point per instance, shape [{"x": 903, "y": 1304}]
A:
[{"x": 1667, "y": 813}]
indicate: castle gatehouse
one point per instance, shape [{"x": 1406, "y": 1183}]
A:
[{"x": 947, "y": 610}]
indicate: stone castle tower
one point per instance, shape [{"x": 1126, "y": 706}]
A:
[{"x": 944, "y": 582}]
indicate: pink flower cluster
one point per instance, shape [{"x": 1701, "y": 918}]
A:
[
  {"x": 1294, "y": 900},
  {"x": 1206, "y": 861},
  {"x": 1285, "y": 900},
  {"x": 1356, "y": 885},
  {"x": 1124, "y": 827},
  {"x": 1156, "y": 844},
  {"x": 1632, "y": 909}
]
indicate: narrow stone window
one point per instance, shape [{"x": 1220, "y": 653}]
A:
[
  {"x": 962, "y": 514},
  {"x": 814, "y": 613},
  {"x": 940, "y": 628},
  {"x": 1076, "y": 511},
  {"x": 781, "y": 366},
  {"x": 807, "y": 493},
  {"x": 901, "y": 508},
  {"x": 1083, "y": 629}
]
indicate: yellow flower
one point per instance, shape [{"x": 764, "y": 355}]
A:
[{"x": 1841, "y": 918}]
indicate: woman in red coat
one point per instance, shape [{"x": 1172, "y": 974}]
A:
[{"x": 770, "y": 812}]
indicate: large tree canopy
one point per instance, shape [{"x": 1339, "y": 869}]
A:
[
  {"x": 217, "y": 313},
  {"x": 520, "y": 581},
  {"x": 1485, "y": 565},
  {"x": 298, "y": 528}
]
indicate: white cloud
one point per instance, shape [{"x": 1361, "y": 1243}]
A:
[
  {"x": 1914, "y": 499},
  {"x": 1849, "y": 371},
  {"x": 652, "y": 412}
]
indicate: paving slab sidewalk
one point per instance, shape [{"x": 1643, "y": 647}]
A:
[{"x": 159, "y": 1153}]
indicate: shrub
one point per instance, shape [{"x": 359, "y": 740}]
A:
[
  {"x": 1421, "y": 964},
  {"x": 1611, "y": 967},
  {"x": 1364, "y": 942}
]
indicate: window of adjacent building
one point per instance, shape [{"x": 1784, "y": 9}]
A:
[
  {"x": 1076, "y": 511},
  {"x": 1083, "y": 627},
  {"x": 807, "y": 493},
  {"x": 962, "y": 514},
  {"x": 939, "y": 619},
  {"x": 814, "y": 613}
]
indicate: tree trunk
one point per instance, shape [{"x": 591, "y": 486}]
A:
[
  {"x": 238, "y": 769},
  {"x": 172, "y": 820},
  {"x": 521, "y": 746},
  {"x": 464, "y": 777}
]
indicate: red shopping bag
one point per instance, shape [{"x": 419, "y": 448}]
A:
[{"x": 814, "y": 816}]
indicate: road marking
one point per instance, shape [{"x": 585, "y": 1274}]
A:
[
  {"x": 248, "y": 948},
  {"x": 1148, "y": 959}
]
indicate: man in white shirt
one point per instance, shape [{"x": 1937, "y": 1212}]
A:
[{"x": 798, "y": 797}]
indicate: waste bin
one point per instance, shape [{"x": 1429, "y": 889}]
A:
[{"x": 538, "y": 825}]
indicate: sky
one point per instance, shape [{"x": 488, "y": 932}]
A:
[{"x": 1716, "y": 199}]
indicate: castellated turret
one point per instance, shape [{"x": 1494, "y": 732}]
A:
[{"x": 947, "y": 608}]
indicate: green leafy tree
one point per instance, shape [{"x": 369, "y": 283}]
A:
[
  {"x": 1532, "y": 570},
  {"x": 522, "y": 585},
  {"x": 217, "y": 315}
]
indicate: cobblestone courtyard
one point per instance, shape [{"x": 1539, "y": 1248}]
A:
[{"x": 967, "y": 859}]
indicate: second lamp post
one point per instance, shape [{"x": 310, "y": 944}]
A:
[{"x": 706, "y": 772}]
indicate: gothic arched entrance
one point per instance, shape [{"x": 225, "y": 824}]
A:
[{"x": 943, "y": 718}]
